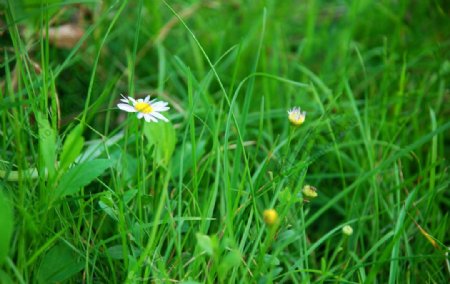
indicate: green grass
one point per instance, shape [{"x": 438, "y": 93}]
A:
[{"x": 91, "y": 194}]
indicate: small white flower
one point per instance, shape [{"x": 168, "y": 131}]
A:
[
  {"x": 149, "y": 110},
  {"x": 296, "y": 116}
]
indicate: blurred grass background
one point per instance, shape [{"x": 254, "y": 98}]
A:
[{"x": 183, "y": 201}]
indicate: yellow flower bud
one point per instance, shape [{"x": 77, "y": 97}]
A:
[
  {"x": 270, "y": 217},
  {"x": 309, "y": 191},
  {"x": 347, "y": 230}
]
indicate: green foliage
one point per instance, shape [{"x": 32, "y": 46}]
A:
[
  {"x": 73, "y": 144},
  {"x": 81, "y": 175},
  {"x": 59, "y": 264},
  {"x": 207, "y": 244},
  {"x": 229, "y": 261},
  {"x": 47, "y": 144},
  {"x": 184, "y": 158},
  {"x": 108, "y": 205},
  {"x": 161, "y": 138},
  {"x": 6, "y": 227},
  {"x": 100, "y": 196},
  {"x": 4, "y": 277}
]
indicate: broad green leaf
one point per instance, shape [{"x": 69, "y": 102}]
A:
[
  {"x": 73, "y": 144},
  {"x": 6, "y": 226},
  {"x": 108, "y": 205},
  {"x": 287, "y": 236},
  {"x": 162, "y": 136},
  {"x": 285, "y": 196},
  {"x": 4, "y": 277},
  {"x": 47, "y": 144},
  {"x": 271, "y": 260},
  {"x": 81, "y": 175},
  {"x": 129, "y": 195},
  {"x": 207, "y": 243},
  {"x": 126, "y": 164},
  {"x": 277, "y": 271},
  {"x": 116, "y": 252},
  {"x": 59, "y": 264},
  {"x": 230, "y": 260}
]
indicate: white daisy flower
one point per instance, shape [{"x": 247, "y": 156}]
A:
[
  {"x": 296, "y": 116},
  {"x": 149, "y": 110}
]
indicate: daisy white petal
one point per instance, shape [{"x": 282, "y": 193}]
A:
[
  {"x": 149, "y": 117},
  {"x": 123, "y": 99},
  {"x": 160, "y": 109},
  {"x": 126, "y": 107},
  {"x": 157, "y": 104},
  {"x": 147, "y": 99},
  {"x": 140, "y": 115},
  {"x": 159, "y": 116},
  {"x": 132, "y": 100},
  {"x": 154, "y": 118}
]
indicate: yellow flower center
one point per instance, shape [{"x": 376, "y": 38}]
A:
[
  {"x": 143, "y": 107},
  {"x": 296, "y": 118}
]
